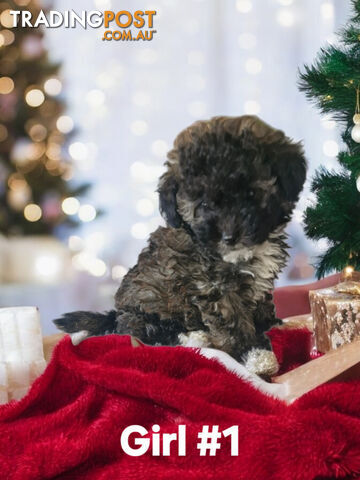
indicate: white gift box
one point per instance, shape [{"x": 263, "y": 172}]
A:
[{"x": 21, "y": 351}]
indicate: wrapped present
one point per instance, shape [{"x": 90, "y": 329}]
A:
[
  {"x": 21, "y": 351},
  {"x": 336, "y": 315}
]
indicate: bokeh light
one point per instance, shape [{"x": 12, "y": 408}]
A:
[
  {"x": 70, "y": 205},
  {"x": 6, "y": 85},
  {"x": 65, "y": 124},
  {"x": 34, "y": 97},
  {"x": 285, "y": 17},
  {"x": 32, "y": 212},
  {"x": 87, "y": 213},
  {"x": 53, "y": 86}
]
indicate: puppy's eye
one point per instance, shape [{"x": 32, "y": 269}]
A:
[{"x": 201, "y": 207}]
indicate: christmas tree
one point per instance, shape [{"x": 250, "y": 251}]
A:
[
  {"x": 333, "y": 83},
  {"x": 36, "y": 196}
]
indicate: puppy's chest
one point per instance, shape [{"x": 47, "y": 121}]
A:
[
  {"x": 213, "y": 279},
  {"x": 252, "y": 278}
]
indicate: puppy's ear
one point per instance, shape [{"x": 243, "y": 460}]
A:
[
  {"x": 168, "y": 188},
  {"x": 290, "y": 171}
]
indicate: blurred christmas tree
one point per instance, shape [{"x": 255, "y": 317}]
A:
[
  {"x": 35, "y": 193},
  {"x": 333, "y": 83}
]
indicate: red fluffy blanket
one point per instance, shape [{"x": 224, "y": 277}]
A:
[{"x": 69, "y": 425}]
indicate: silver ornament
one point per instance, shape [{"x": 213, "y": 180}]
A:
[
  {"x": 358, "y": 183},
  {"x": 355, "y": 133}
]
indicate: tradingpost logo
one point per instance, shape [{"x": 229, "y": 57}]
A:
[{"x": 119, "y": 26}]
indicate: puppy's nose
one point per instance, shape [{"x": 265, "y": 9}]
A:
[{"x": 229, "y": 239}]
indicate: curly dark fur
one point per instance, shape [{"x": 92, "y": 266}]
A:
[{"x": 228, "y": 192}]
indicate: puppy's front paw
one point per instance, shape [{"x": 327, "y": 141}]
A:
[
  {"x": 78, "y": 337},
  {"x": 261, "y": 362}
]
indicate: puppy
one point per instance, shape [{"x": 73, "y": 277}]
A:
[{"x": 205, "y": 280}]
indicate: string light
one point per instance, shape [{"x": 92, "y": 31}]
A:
[
  {"x": 64, "y": 124},
  {"x": 32, "y": 212},
  {"x": 34, "y": 97},
  {"x": 87, "y": 213},
  {"x": 348, "y": 271},
  {"x": 53, "y": 86},
  {"x": 70, "y": 206},
  {"x": 6, "y": 85}
]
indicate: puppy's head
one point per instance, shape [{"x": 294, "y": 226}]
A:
[{"x": 232, "y": 180}]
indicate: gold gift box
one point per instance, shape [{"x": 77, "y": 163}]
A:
[{"x": 336, "y": 315}]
